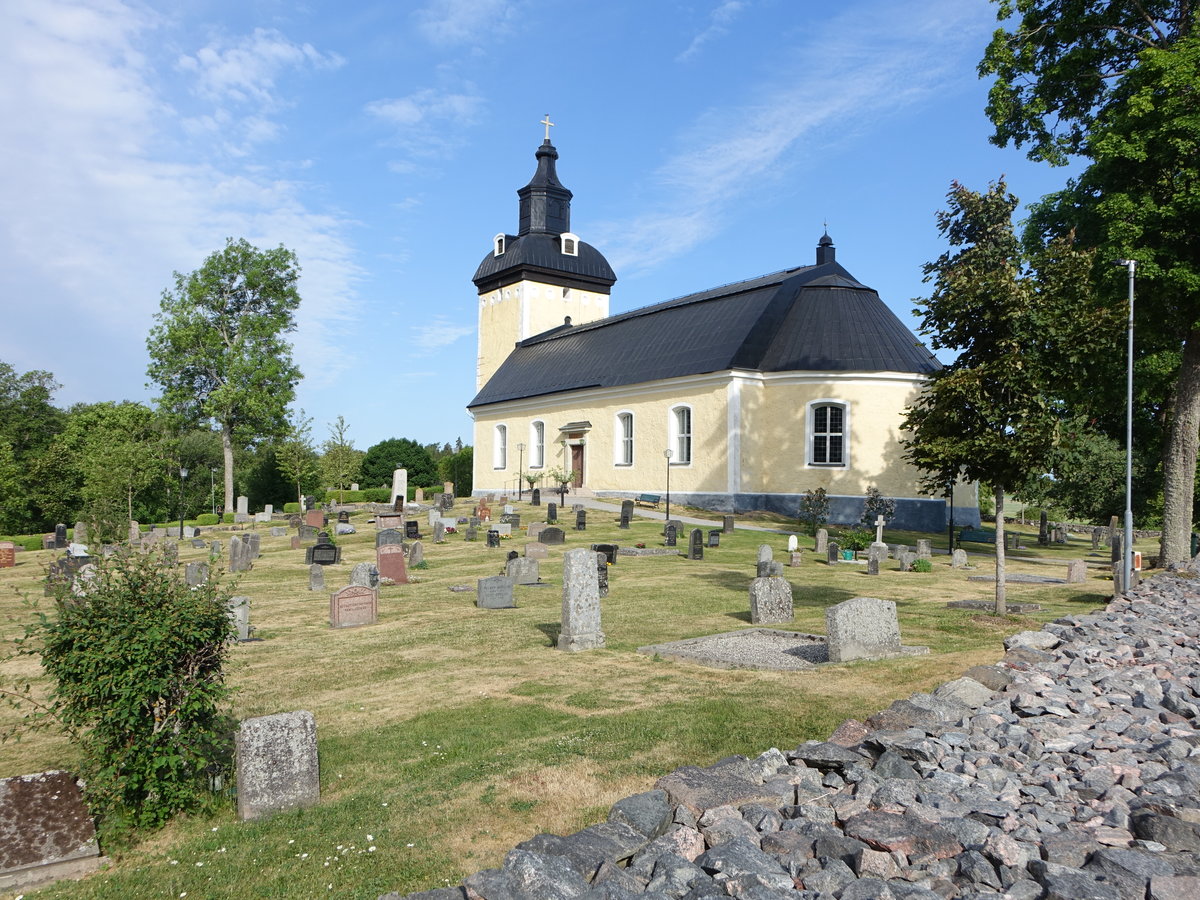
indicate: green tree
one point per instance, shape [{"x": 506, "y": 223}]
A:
[
  {"x": 398, "y": 453},
  {"x": 340, "y": 462},
  {"x": 217, "y": 350},
  {"x": 458, "y": 468},
  {"x": 876, "y": 505},
  {"x": 296, "y": 457},
  {"x": 14, "y": 511},
  {"x": 118, "y": 451},
  {"x": 28, "y": 421},
  {"x": 1116, "y": 83},
  {"x": 814, "y": 510}
]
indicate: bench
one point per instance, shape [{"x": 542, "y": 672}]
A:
[
  {"x": 977, "y": 535},
  {"x": 648, "y": 500}
]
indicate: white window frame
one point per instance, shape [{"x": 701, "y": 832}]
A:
[
  {"x": 569, "y": 243},
  {"x": 498, "y": 244},
  {"x": 500, "y": 447},
  {"x": 679, "y": 439},
  {"x": 537, "y": 444},
  {"x": 623, "y": 442},
  {"x": 812, "y": 435}
]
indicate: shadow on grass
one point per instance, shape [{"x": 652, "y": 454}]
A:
[
  {"x": 819, "y": 597},
  {"x": 551, "y": 630},
  {"x": 742, "y": 615},
  {"x": 729, "y": 579}
]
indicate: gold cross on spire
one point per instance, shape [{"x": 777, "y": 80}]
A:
[{"x": 546, "y": 121}]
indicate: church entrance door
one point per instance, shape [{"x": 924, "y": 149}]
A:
[{"x": 577, "y": 464}]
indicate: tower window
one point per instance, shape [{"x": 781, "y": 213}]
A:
[
  {"x": 570, "y": 244},
  {"x": 498, "y": 245}
]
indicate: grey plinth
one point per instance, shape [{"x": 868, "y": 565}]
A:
[
  {"x": 580, "y": 603},
  {"x": 862, "y": 628},
  {"x": 277, "y": 764}
]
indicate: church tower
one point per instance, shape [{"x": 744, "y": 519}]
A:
[{"x": 543, "y": 276}]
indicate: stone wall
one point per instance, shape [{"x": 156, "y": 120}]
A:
[{"x": 1070, "y": 769}]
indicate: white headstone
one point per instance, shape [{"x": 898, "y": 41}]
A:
[{"x": 400, "y": 486}]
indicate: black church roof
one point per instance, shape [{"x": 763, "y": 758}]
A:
[
  {"x": 538, "y": 256},
  {"x": 808, "y": 319}
]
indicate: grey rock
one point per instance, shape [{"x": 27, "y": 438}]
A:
[{"x": 649, "y": 813}]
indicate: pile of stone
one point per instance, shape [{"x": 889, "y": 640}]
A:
[{"x": 1069, "y": 770}]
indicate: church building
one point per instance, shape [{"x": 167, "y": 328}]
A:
[{"x": 744, "y": 396}]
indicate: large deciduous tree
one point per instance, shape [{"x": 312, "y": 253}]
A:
[
  {"x": 1118, "y": 83},
  {"x": 295, "y": 456},
  {"x": 398, "y": 453},
  {"x": 217, "y": 350},
  {"x": 340, "y": 462}
]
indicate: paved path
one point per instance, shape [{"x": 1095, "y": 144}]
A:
[{"x": 593, "y": 503}]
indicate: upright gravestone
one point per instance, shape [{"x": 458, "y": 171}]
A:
[
  {"x": 765, "y": 554},
  {"x": 390, "y": 519},
  {"x": 793, "y": 543},
  {"x": 581, "y": 520},
  {"x": 315, "y": 518},
  {"x": 471, "y": 533},
  {"x": 523, "y": 570},
  {"x": 135, "y": 532},
  {"x": 1043, "y": 530},
  {"x": 714, "y": 537},
  {"x": 513, "y": 519},
  {"x": 46, "y": 831},
  {"x": 552, "y": 535},
  {"x": 60, "y": 536},
  {"x": 307, "y": 534},
  {"x": 343, "y": 516},
  {"x": 354, "y": 604},
  {"x": 536, "y": 550},
  {"x": 924, "y": 548},
  {"x": 862, "y": 628},
  {"x": 493, "y": 539},
  {"x": 1096, "y": 532},
  {"x": 399, "y": 487},
  {"x": 534, "y": 530},
  {"x": 626, "y": 513},
  {"x": 1118, "y": 541},
  {"x": 239, "y": 555},
  {"x": 670, "y": 535},
  {"x": 535, "y": 497},
  {"x": 254, "y": 545},
  {"x": 447, "y": 501},
  {"x": 795, "y": 558},
  {"x": 8, "y": 554},
  {"x": 1077, "y": 571},
  {"x": 876, "y": 554},
  {"x": 418, "y": 495},
  {"x": 412, "y": 529},
  {"x": 389, "y": 561},
  {"x": 277, "y": 764},
  {"x": 495, "y": 592},
  {"x": 770, "y": 601},
  {"x": 602, "y": 574},
  {"x": 214, "y": 550},
  {"x": 822, "y": 541},
  {"x": 323, "y": 553},
  {"x": 581, "y": 602},
  {"x": 551, "y": 512},
  {"x": 416, "y": 554},
  {"x": 832, "y": 552},
  {"x": 727, "y": 524},
  {"x": 365, "y": 574},
  {"x": 958, "y": 559},
  {"x": 696, "y": 544},
  {"x": 609, "y": 551},
  {"x": 276, "y": 531},
  {"x": 439, "y": 532},
  {"x": 80, "y": 535},
  {"x": 196, "y": 573},
  {"x": 316, "y": 577},
  {"x": 239, "y": 614},
  {"x": 388, "y": 537}
]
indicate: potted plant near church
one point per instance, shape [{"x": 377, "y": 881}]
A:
[
  {"x": 563, "y": 477},
  {"x": 853, "y": 541}
]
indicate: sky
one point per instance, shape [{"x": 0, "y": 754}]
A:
[{"x": 705, "y": 142}]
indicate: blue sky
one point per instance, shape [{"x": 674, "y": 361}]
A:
[{"x": 705, "y": 142}]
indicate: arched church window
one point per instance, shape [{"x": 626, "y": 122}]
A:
[
  {"x": 537, "y": 445},
  {"x": 828, "y": 430},
  {"x": 498, "y": 245},
  {"x": 570, "y": 244},
  {"x": 681, "y": 435},
  {"x": 623, "y": 451},
  {"x": 500, "y": 448}
]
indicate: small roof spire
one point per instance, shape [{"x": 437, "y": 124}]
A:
[
  {"x": 546, "y": 121},
  {"x": 825, "y": 251}
]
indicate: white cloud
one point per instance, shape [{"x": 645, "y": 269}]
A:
[
  {"x": 845, "y": 74},
  {"x": 427, "y": 106},
  {"x": 718, "y": 24},
  {"x": 440, "y": 333},
  {"x": 451, "y": 22}
]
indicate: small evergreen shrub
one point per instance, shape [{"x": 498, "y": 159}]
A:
[
  {"x": 227, "y": 518},
  {"x": 290, "y": 508},
  {"x": 207, "y": 519},
  {"x": 922, "y": 565},
  {"x": 814, "y": 510}
]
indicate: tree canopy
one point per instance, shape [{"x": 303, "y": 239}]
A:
[{"x": 398, "y": 453}]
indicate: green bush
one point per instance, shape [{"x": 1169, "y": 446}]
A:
[
  {"x": 137, "y": 665},
  {"x": 922, "y": 565},
  {"x": 366, "y": 495},
  {"x": 28, "y": 541},
  {"x": 856, "y": 539},
  {"x": 293, "y": 507},
  {"x": 227, "y": 518},
  {"x": 207, "y": 519}
]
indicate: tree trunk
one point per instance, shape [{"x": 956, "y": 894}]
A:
[
  {"x": 227, "y": 448},
  {"x": 1001, "y": 603},
  {"x": 1179, "y": 457}
]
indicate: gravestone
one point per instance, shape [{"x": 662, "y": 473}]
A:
[
  {"x": 1118, "y": 541},
  {"x": 906, "y": 558},
  {"x": 581, "y": 603},
  {"x": 523, "y": 570},
  {"x": 552, "y": 535},
  {"x": 678, "y": 527},
  {"x": 696, "y": 544},
  {"x": 214, "y": 550},
  {"x": 495, "y": 592},
  {"x": 1043, "y": 530},
  {"x": 602, "y": 574},
  {"x": 196, "y": 573},
  {"x": 493, "y": 539},
  {"x": 277, "y": 764},
  {"x": 484, "y": 512},
  {"x": 727, "y": 524},
  {"x": 770, "y": 601},
  {"x": 418, "y": 495},
  {"x": 822, "y": 541},
  {"x": 795, "y": 558},
  {"x": 46, "y": 831},
  {"x": 80, "y": 535},
  {"x": 239, "y": 613},
  {"x": 714, "y": 537},
  {"x": 924, "y": 548},
  {"x": 416, "y": 554},
  {"x": 294, "y": 521},
  {"x": 765, "y": 554},
  {"x": 772, "y": 567},
  {"x": 958, "y": 559},
  {"x": 609, "y": 551},
  {"x": 276, "y": 531},
  {"x": 535, "y": 529},
  {"x": 626, "y": 513},
  {"x": 439, "y": 532},
  {"x": 295, "y": 542},
  {"x": 471, "y": 533},
  {"x": 832, "y": 552},
  {"x": 876, "y": 554},
  {"x": 399, "y": 488},
  {"x": 308, "y": 534},
  {"x": 535, "y": 497},
  {"x": 365, "y": 574},
  {"x": 60, "y": 536},
  {"x": 435, "y": 514},
  {"x": 254, "y": 545},
  {"x": 242, "y": 513},
  {"x": 447, "y": 501},
  {"x": 390, "y": 563},
  {"x": 388, "y": 520},
  {"x": 670, "y": 534},
  {"x": 513, "y": 519},
  {"x": 239, "y": 555},
  {"x": 412, "y": 529},
  {"x": 503, "y": 529},
  {"x": 315, "y": 518},
  {"x": 536, "y": 550},
  {"x": 1096, "y": 532},
  {"x": 551, "y": 512},
  {"x": 316, "y": 577},
  {"x": 1118, "y": 576},
  {"x": 323, "y": 553},
  {"x": 1076, "y": 571},
  {"x": 793, "y": 543},
  {"x": 135, "y": 532},
  {"x": 862, "y": 628},
  {"x": 448, "y": 487},
  {"x": 580, "y": 519},
  {"x": 343, "y": 516},
  {"x": 8, "y": 554},
  {"x": 388, "y": 537},
  {"x": 353, "y": 605}
]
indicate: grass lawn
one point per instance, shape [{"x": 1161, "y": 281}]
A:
[{"x": 447, "y": 733}]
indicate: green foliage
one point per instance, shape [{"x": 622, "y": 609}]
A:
[
  {"x": 457, "y": 467},
  {"x": 856, "y": 539},
  {"x": 399, "y": 453},
  {"x": 14, "y": 508},
  {"x": 107, "y": 522},
  {"x": 877, "y": 505},
  {"x": 227, "y": 518},
  {"x": 922, "y": 565},
  {"x": 207, "y": 519},
  {"x": 340, "y": 462},
  {"x": 367, "y": 495},
  {"x": 137, "y": 665},
  {"x": 296, "y": 457},
  {"x": 291, "y": 507},
  {"x": 814, "y": 510}
]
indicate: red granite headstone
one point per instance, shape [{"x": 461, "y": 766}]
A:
[
  {"x": 353, "y": 605},
  {"x": 389, "y": 559},
  {"x": 8, "y": 554}
]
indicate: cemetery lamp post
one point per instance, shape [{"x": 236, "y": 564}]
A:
[
  {"x": 667, "y": 456},
  {"x": 183, "y": 472},
  {"x": 1127, "y": 554},
  {"x": 520, "y": 469}
]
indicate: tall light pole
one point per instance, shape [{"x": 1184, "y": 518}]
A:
[
  {"x": 1127, "y": 554},
  {"x": 183, "y": 473},
  {"x": 520, "y": 469},
  {"x": 667, "y": 454}
]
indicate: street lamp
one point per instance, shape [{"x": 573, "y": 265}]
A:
[
  {"x": 1127, "y": 554},
  {"x": 520, "y": 469},
  {"x": 183, "y": 472},
  {"x": 667, "y": 454}
]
